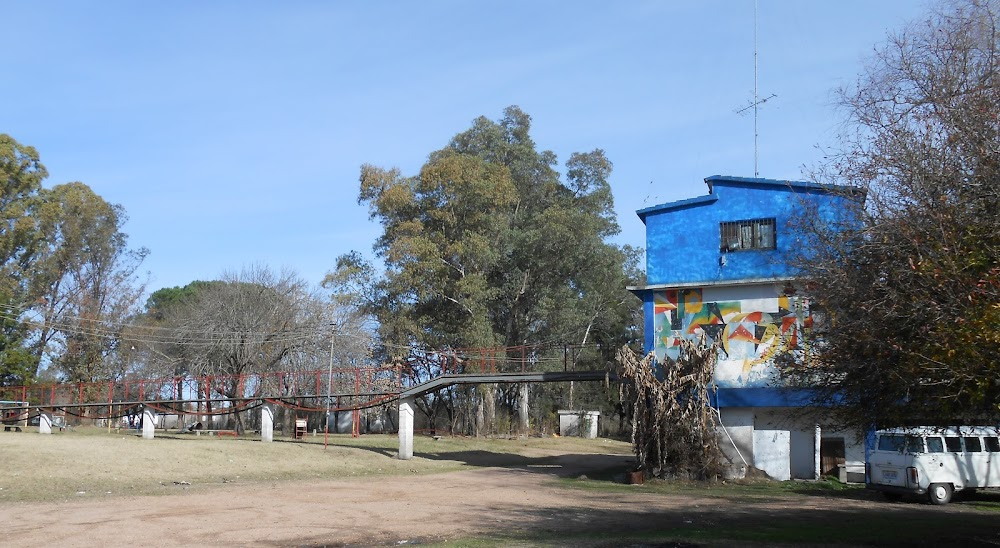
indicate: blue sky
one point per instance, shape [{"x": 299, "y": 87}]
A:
[{"x": 233, "y": 132}]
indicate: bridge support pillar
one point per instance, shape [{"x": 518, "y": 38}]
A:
[
  {"x": 522, "y": 410},
  {"x": 44, "y": 423},
  {"x": 817, "y": 460},
  {"x": 406, "y": 428},
  {"x": 267, "y": 423},
  {"x": 148, "y": 422}
]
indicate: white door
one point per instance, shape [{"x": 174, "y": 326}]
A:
[{"x": 772, "y": 453}]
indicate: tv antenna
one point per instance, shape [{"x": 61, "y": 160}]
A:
[{"x": 757, "y": 101}]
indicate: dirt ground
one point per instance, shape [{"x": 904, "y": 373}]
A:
[{"x": 521, "y": 501}]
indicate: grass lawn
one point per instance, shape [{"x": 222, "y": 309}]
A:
[{"x": 90, "y": 461}]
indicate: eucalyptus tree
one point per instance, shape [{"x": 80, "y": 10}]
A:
[
  {"x": 69, "y": 279},
  {"x": 21, "y": 176},
  {"x": 84, "y": 282},
  {"x": 487, "y": 247}
]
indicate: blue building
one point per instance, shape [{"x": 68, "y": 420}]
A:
[{"x": 715, "y": 266}]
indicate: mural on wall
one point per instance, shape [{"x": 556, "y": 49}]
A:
[{"x": 750, "y": 332}]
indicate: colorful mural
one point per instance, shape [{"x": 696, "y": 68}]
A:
[{"x": 750, "y": 332}]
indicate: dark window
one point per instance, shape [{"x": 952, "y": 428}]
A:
[
  {"x": 954, "y": 444},
  {"x": 973, "y": 445},
  {"x": 934, "y": 445},
  {"x": 891, "y": 442},
  {"x": 992, "y": 444},
  {"x": 744, "y": 235},
  {"x": 900, "y": 443}
]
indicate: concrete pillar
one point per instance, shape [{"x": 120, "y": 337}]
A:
[
  {"x": 267, "y": 422},
  {"x": 817, "y": 464},
  {"x": 406, "y": 428},
  {"x": 148, "y": 423},
  {"x": 44, "y": 423},
  {"x": 522, "y": 409}
]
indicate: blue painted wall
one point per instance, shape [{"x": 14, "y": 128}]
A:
[
  {"x": 683, "y": 250},
  {"x": 683, "y": 239}
]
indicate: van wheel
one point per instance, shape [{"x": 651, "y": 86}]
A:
[{"x": 939, "y": 493}]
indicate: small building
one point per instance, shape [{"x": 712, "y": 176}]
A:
[
  {"x": 581, "y": 424},
  {"x": 715, "y": 265}
]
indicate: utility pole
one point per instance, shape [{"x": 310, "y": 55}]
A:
[{"x": 329, "y": 385}]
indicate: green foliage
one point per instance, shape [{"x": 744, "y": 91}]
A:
[
  {"x": 65, "y": 262},
  {"x": 21, "y": 174},
  {"x": 487, "y": 247},
  {"x": 161, "y": 301},
  {"x": 16, "y": 364},
  {"x": 83, "y": 279}
]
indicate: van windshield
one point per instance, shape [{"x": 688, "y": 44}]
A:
[{"x": 900, "y": 443}]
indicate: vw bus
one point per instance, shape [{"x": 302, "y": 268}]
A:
[{"x": 933, "y": 461}]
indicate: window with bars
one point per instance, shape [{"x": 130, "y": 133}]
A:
[{"x": 746, "y": 235}]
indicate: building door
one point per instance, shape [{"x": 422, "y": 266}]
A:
[{"x": 831, "y": 456}]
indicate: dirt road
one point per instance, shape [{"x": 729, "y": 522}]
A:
[{"x": 395, "y": 511}]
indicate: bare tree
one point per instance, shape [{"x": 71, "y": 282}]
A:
[
  {"x": 909, "y": 282},
  {"x": 252, "y": 322}
]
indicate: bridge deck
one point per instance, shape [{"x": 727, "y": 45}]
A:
[{"x": 445, "y": 381}]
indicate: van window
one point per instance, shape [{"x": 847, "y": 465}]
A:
[
  {"x": 900, "y": 443},
  {"x": 954, "y": 444},
  {"x": 992, "y": 444},
  {"x": 973, "y": 445},
  {"x": 890, "y": 442},
  {"x": 935, "y": 445}
]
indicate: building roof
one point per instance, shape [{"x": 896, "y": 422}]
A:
[{"x": 729, "y": 180}]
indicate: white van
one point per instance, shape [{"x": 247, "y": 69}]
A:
[{"x": 932, "y": 460}]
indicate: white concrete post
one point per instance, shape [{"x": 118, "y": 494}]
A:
[
  {"x": 44, "y": 423},
  {"x": 148, "y": 423},
  {"x": 267, "y": 423},
  {"x": 817, "y": 460},
  {"x": 522, "y": 410},
  {"x": 406, "y": 428}
]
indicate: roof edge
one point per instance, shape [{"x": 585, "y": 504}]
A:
[
  {"x": 804, "y": 185},
  {"x": 680, "y": 204}
]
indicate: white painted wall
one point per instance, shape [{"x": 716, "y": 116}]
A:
[
  {"x": 714, "y": 293},
  {"x": 771, "y": 453},
  {"x": 578, "y": 423},
  {"x": 736, "y": 438}
]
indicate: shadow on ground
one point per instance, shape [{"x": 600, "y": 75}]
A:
[
  {"x": 565, "y": 465},
  {"x": 690, "y": 521}
]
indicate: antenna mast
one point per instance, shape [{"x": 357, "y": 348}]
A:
[
  {"x": 757, "y": 101},
  {"x": 756, "y": 98}
]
